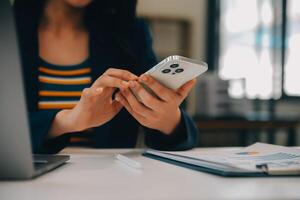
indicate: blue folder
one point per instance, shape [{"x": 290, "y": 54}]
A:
[{"x": 221, "y": 170}]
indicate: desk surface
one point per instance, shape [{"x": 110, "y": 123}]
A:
[{"x": 95, "y": 174}]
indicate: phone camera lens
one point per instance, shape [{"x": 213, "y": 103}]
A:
[
  {"x": 165, "y": 71},
  {"x": 179, "y": 70},
  {"x": 174, "y": 65}
]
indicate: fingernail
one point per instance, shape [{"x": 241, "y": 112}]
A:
[
  {"x": 99, "y": 90},
  {"x": 117, "y": 98},
  {"x": 144, "y": 78}
]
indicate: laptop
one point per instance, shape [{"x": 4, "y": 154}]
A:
[{"x": 17, "y": 161}]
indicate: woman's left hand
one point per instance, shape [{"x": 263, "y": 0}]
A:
[{"x": 162, "y": 113}]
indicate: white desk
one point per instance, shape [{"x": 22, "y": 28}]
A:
[{"x": 95, "y": 174}]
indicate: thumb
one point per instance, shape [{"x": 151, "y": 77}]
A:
[{"x": 184, "y": 90}]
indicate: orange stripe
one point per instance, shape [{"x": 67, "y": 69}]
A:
[
  {"x": 65, "y": 73},
  {"x": 56, "y": 106},
  {"x": 59, "y": 94},
  {"x": 64, "y": 82}
]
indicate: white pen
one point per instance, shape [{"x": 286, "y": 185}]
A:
[{"x": 128, "y": 161}]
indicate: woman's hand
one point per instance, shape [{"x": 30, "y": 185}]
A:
[
  {"x": 160, "y": 113},
  {"x": 96, "y": 105}
]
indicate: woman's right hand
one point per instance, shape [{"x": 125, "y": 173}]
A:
[{"x": 95, "y": 106}]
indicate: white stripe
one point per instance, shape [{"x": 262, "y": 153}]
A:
[{"x": 66, "y": 79}]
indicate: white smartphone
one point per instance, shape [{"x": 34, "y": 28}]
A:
[{"x": 174, "y": 71}]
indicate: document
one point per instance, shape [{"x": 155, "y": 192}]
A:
[{"x": 259, "y": 157}]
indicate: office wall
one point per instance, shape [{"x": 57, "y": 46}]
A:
[{"x": 191, "y": 10}]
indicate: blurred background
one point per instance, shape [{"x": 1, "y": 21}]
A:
[{"x": 251, "y": 92}]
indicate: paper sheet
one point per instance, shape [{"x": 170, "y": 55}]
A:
[{"x": 277, "y": 158}]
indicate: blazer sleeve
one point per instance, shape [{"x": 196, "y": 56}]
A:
[
  {"x": 40, "y": 124},
  {"x": 186, "y": 134}
]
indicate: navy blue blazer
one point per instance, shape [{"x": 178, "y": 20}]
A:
[{"x": 122, "y": 130}]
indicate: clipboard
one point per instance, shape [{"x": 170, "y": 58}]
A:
[
  {"x": 207, "y": 169},
  {"x": 223, "y": 169}
]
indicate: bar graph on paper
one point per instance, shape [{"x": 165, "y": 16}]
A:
[{"x": 270, "y": 157}]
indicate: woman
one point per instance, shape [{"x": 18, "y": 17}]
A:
[{"x": 75, "y": 54}]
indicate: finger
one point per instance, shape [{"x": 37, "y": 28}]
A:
[
  {"x": 136, "y": 105},
  {"x": 116, "y": 106},
  {"x": 161, "y": 91},
  {"x": 103, "y": 92},
  {"x": 148, "y": 100},
  {"x": 86, "y": 93},
  {"x": 184, "y": 90},
  {"x": 110, "y": 81},
  {"x": 93, "y": 92},
  {"x": 121, "y": 74},
  {"x": 120, "y": 98},
  {"x": 98, "y": 90}
]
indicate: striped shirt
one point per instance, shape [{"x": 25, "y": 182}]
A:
[{"x": 60, "y": 87}]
